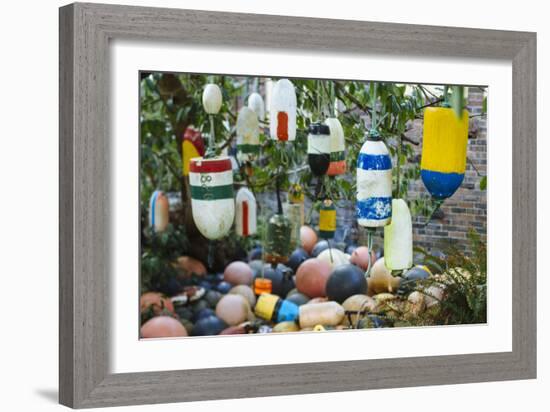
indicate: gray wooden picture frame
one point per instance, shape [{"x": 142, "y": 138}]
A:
[{"x": 85, "y": 32}]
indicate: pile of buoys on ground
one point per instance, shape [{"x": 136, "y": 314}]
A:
[{"x": 317, "y": 289}]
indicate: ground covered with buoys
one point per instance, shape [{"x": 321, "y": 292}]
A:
[{"x": 320, "y": 288}]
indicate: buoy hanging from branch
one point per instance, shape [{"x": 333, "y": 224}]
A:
[
  {"x": 337, "y": 147},
  {"x": 296, "y": 198},
  {"x": 212, "y": 98},
  {"x": 256, "y": 103},
  {"x": 159, "y": 215},
  {"x": 212, "y": 202},
  {"x": 318, "y": 148},
  {"x": 245, "y": 213},
  {"x": 283, "y": 111},
  {"x": 374, "y": 183},
  {"x": 192, "y": 146},
  {"x": 398, "y": 244},
  {"x": 444, "y": 146},
  {"x": 248, "y": 135},
  {"x": 327, "y": 219},
  {"x": 278, "y": 243}
]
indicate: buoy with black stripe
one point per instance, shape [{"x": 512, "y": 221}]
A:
[
  {"x": 374, "y": 183},
  {"x": 337, "y": 147},
  {"x": 159, "y": 215},
  {"x": 444, "y": 146},
  {"x": 282, "y": 117},
  {"x": 327, "y": 219},
  {"x": 318, "y": 148},
  {"x": 245, "y": 213},
  {"x": 248, "y": 135},
  {"x": 212, "y": 202}
]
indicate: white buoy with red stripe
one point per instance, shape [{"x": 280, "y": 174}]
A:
[
  {"x": 158, "y": 211},
  {"x": 283, "y": 111},
  {"x": 245, "y": 213},
  {"x": 212, "y": 203}
]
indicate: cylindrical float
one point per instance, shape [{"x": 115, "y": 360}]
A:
[
  {"x": 327, "y": 219},
  {"x": 273, "y": 308},
  {"x": 248, "y": 135},
  {"x": 337, "y": 147},
  {"x": 192, "y": 146},
  {"x": 212, "y": 202},
  {"x": 212, "y": 98},
  {"x": 398, "y": 244},
  {"x": 325, "y": 313},
  {"x": 444, "y": 146},
  {"x": 283, "y": 111},
  {"x": 159, "y": 215},
  {"x": 296, "y": 197},
  {"x": 374, "y": 184},
  {"x": 318, "y": 148},
  {"x": 245, "y": 213},
  {"x": 256, "y": 103},
  {"x": 278, "y": 245}
]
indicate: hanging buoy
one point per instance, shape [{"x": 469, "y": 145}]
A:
[
  {"x": 374, "y": 184},
  {"x": 245, "y": 212},
  {"x": 398, "y": 245},
  {"x": 248, "y": 135},
  {"x": 212, "y": 202},
  {"x": 318, "y": 148},
  {"x": 278, "y": 239},
  {"x": 295, "y": 213},
  {"x": 283, "y": 111},
  {"x": 337, "y": 147},
  {"x": 159, "y": 215},
  {"x": 444, "y": 146},
  {"x": 327, "y": 219},
  {"x": 256, "y": 103},
  {"x": 212, "y": 98},
  {"x": 192, "y": 146}
]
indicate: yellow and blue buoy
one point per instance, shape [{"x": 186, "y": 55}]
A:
[{"x": 444, "y": 145}]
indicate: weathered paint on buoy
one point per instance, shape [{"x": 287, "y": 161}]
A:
[
  {"x": 278, "y": 239},
  {"x": 212, "y": 202},
  {"x": 212, "y": 98},
  {"x": 337, "y": 147},
  {"x": 256, "y": 103},
  {"x": 283, "y": 111},
  {"x": 318, "y": 148},
  {"x": 159, "y": 215},
  {"x": 444, "y": 146},
  {"x": 192, "y": 146},
  {"x": 245, "y": 213},
  {"x": 374, "y": 185},
  {"x": 398, "y": 245},
  {"x": 248, "y": 135},
  {"x": 327, "y": 219}
]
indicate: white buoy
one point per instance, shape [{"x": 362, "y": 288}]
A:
[
  {"x": 374, "y": 185},
  {"x": 283, "y": 111},
  {"x": 212, "y": 98},
  {"x": 158, "y": 211},
  {"x": 256, "y": 103},
  {"x": 337, "y": 147},
  {"x": 248, "y": 135},
  {"x": 245, "y": 213},
  {"x": 212, "y": 202},
  {"x": 398, "y": 244}
]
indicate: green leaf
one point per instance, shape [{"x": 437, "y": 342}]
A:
[{"x": 483, "y": 183}]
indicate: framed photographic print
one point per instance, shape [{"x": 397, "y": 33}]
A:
[{"x": 257, "y": 205}]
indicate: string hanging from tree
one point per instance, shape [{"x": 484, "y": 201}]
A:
[{"x": 374, "y": 180}]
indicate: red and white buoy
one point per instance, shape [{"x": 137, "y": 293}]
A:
[
  {"x": 245, "y": 213},
  {"x": 283, "y": 111}
]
